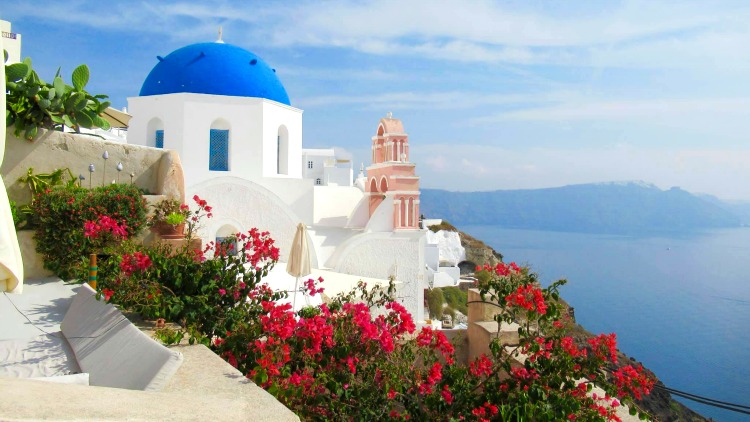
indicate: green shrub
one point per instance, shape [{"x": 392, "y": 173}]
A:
[
  {"x": 207, "y": 297},
  {"x": 456, "y": 299},
  {"x": 450, "y": 311},
  {"x": 435, "y": 302},
  {"x": 60, "y": 215}
]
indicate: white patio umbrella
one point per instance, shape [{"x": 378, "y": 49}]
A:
[{"x": 299, "y": 259}]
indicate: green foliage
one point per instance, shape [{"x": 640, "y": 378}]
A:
[
  {"x": 444, "y": 225},
  {"x": 167, "y": 209},
  {"x": 448, "y": 310},
  {"x": 456, "y": 299},
  {"x": 435, "y": 302},
  {"x": 175, "y": 219},
  {"x": 18, "y": 218},
  {"x": 32, "y": 103},
  {"x": 205, "y": 296},
  {"x": 60, "y": 214},
  {"x": 169, "y": 336},
  {"x": 40, "y": 182}
]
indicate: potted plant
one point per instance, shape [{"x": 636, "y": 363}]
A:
[{"x": 168, "y": 219}]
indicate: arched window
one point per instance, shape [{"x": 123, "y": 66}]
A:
[
  {"x": 383, "y": 184},
  {"x": 282, "y": 151},
  {"x": 317, "y": 181},
  {"x": 226, "y": 240},
  {"x": 160, "y": 138},
  {"x": 155, "y": 133},
  {"x": 218, "y": 156}
]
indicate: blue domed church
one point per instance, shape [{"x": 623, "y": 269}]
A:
[{"x": 227, "y": 115}]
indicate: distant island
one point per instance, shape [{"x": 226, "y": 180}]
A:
[{"x": 627, "y": 208}]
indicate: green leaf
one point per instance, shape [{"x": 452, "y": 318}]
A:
[
  {"x": 27, "y": 62},
  {"x": 59, "y": 86},
  {"x": 16, "y": 72},
  {"x": 80, "y": 77},
  {"x": 102, "y": 123},
  {"x": 31, "y": 133},
  {"x": 44, "y": 103},
  {"x": 103, "y": 106},
  {"x": 69, "y": 122}
]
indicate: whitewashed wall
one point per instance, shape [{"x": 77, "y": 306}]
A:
[
  {"x": 382, "y": 255},
  {"x": 244, "y": 205},
  {"x": 253, "y": 124},
  {"x": 334, "y": 204}
]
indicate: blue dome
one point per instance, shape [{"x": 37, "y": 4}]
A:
[{"x": 214, "y": 68}]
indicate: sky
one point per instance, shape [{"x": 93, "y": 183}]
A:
[{"x": 494, "y": 95}]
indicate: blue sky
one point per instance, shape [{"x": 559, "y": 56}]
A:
[{"x": 494, "y": 95}]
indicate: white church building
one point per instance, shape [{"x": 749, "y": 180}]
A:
[{"x": 226, "y": 113}]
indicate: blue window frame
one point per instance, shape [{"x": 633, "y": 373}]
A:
[
  {"x": 219, "y": 150},
  {"x": 159, "y": 139}
]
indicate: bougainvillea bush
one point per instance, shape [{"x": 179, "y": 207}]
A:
[
  {"x": 339, "y": 362},
  {"x": 72, "y": 222},
  {"x": 208, "y": 297}
]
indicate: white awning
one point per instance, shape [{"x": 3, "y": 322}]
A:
[{"x": 116, "y": 118}]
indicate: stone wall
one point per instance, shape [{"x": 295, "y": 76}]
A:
[{"x": 156, "y": 170}]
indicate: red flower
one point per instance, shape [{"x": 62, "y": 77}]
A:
[
  {"x": 107, "y": 293},
  {"x": 528, "y": 297}
]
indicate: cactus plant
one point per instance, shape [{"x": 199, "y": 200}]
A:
[{"x": 32, "y": 103}]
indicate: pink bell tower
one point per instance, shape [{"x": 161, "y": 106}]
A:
[{"x": 391, "y": 174}]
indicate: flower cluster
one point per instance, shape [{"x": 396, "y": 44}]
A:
[
  {"x": 194, "y": 218},
  {"x": 310, "y": 285},
  {"x": 137, "y": 261},
  {"x": 528, "y": 297},
  {"x": 604, "y": 346},
  {"x": 104, "y": 224},
  {"x": 502, "y": 269},
  {"x": 632, "y": 381}
]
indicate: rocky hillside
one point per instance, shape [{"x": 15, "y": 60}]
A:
[{"x": 477, "y": 252}]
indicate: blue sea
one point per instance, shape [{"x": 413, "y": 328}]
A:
[{"x": 678, "y": 303}]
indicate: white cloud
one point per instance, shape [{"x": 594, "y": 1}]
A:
[
  {"x": 629, "y": 33},
  {"x": 649, "y": 109},
  {"x": 447, "y": 100}
]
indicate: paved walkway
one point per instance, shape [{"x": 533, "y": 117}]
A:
[
  {"x": 38, "y": 310},
  {"x": 205, "y": 387}
]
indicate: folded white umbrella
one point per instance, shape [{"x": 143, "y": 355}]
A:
[{"x": 299, "y": 259}]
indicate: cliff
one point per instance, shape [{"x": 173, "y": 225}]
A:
[{"x": 477, "y": 252}]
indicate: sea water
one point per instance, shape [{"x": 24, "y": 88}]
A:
[{"x": 680, "y": 304}]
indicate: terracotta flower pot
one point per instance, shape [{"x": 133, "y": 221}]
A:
[{"x": 169, "y": 231}]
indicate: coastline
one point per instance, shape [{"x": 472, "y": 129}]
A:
[{"x": 660, "y": 403}]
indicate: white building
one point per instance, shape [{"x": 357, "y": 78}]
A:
[
  {"x": 11, "y": 43},
  {"x": 224, "y": 110},
  {"x": 327, "y": 168}
]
